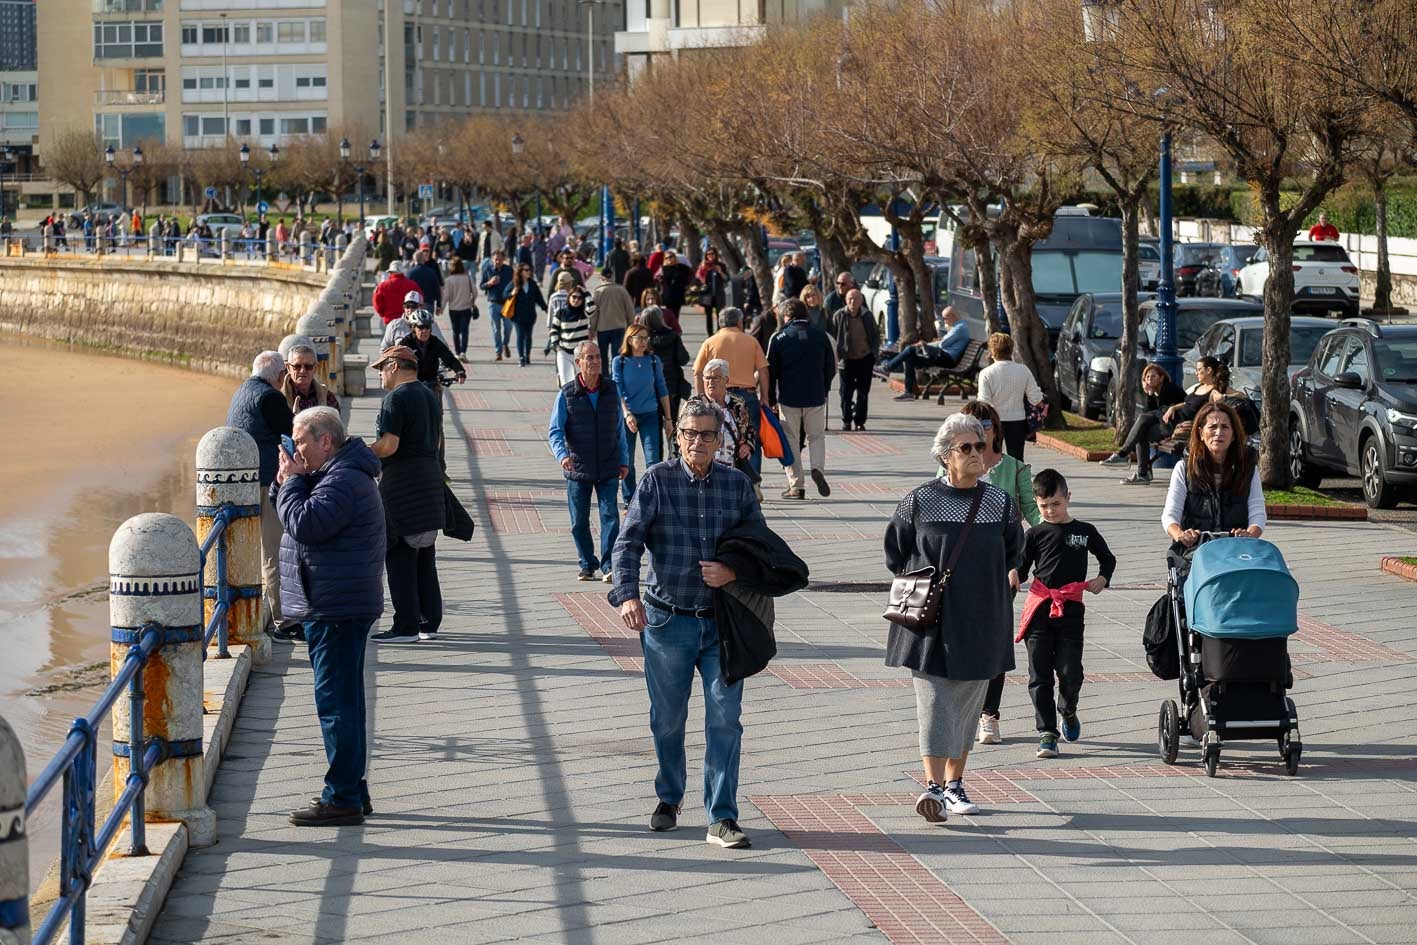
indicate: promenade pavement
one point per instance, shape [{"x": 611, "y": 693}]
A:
[{"x": 512, "y": 770}]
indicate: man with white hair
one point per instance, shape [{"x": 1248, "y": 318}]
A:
[
  {"x": 259, "y": 408},
  {"x": 332, "y": 555}
]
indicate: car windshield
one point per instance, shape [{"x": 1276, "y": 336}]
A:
[
  {"x": 1069, "y": 273},
  {"x": 1302, "y": 341},
  {"x": 1195, "y": 255},
  {"x": 942, "y": 285},
  {"x": 1191, "y": 323},
  {"x": 1320, "y": 254},
  {"x": 1107, "y": 323},
  {"x": 1148, "y": 252},
  {"x": 1244, "y": 252},
  {"x": 1397, "y": 359}
]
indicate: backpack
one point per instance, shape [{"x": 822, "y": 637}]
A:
[{"x": 1159, "y": 641}]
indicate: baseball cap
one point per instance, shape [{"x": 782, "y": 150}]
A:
[
  {"x": 396, "y": 353},
  {"x": 415, "y": 297}
]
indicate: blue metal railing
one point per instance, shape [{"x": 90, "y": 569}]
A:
[
  {"x": 288, "y": 250},
  {"x": 81, "y": 846}
]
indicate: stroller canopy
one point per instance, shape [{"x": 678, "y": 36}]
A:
[{"x": 1241, "y": 588}]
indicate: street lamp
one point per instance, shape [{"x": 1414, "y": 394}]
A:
[
  {"x": 257, "y": 171},
  {"x": 5, "y": 155},
  {"x": 339, "y": 196},
  {"x": 360, "y": 170},
  {"x": 519, "y": 145},
  {"x": 122, "y": 170}
]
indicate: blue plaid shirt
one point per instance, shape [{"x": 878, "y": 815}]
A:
[{"x": 679, "y": 518}]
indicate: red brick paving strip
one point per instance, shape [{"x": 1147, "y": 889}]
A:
[
  {"x": 518, "y": 512},
  {"x": 469, "y": 400},
  {"x": 864, "y": 444},
  {"x": 1337, "y": 645},
  {"x": 485, "y": 442},
  {"x": 1288, "y": 512},
  {"x": 598, "y": 619},
  {"x": 905, "y": 901}
]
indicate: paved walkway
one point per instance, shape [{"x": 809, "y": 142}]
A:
[{"x": 512, "y": 769}]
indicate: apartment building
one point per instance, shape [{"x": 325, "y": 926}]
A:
[
  {"x": 656, "y": 29},
  {"x": 196, "y": 73}
]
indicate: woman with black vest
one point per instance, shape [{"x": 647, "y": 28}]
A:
[{"x": 1217, "y": 488}]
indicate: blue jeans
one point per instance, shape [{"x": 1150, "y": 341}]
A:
[
  {"x": 501, "y": 327},
  {"x": 609, "y": 343},
  {"x": 674, "y": 648},
  {"x": 912, "y": 358},
  {"x": 649, "y": 439},
  {"x": 337, "y": 657},
  {"x": 755, "y": 413},
  {"x": 578, "y": 497},
  {"x": 524, "y": 328}
]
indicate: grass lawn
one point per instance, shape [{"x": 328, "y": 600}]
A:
[
  {"x": 1299, "y": 495},
  {"x": 1089, "y": 434},
  {"x": 1411, "y": 561}
]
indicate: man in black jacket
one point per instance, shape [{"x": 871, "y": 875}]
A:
[
  {"x": 259, "y": 408},
  {"x": 801, "y": 364},
  {"x": 429, "y": 279},
  {"x": 412, "y": 489},
  {"x": 431, "y": 351}
]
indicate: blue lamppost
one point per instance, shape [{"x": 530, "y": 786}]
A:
[
  {"x": 893, "y": 295},
  {"x": 1167, "y": 357}
]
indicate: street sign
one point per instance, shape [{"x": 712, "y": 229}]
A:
[
  {"x": 263, "y": 207},
  {"x": 425, "y": 191},
  {"x": 210, "y": 193}
]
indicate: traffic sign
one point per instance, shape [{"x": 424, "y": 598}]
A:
[
  {"x": 425, "y": 191},
  {"x": 210, "y": 193},
  {"x": 263, "y": 207}
]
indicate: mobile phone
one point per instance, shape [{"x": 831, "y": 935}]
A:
[{"x": 287, "y": 444}]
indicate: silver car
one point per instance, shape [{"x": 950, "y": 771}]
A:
[{"x": 1239, "y": 342}]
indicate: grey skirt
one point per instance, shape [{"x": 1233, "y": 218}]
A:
[{"x": 947, "y": 711}]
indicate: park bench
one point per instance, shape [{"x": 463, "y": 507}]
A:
[{"x": 964, "y": 375}]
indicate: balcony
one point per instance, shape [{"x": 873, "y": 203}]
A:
[
  {"x": 127, "y": 6},
  {"x": 120, "y": 97}
]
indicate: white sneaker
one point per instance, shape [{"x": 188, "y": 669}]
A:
[
  {"x": 958, "y": 802},
  {"x": 988, "y": 731},
  {"x": 931, "y": 805}
]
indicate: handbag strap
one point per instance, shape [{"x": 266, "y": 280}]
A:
[{"x": 964, "y": 533}]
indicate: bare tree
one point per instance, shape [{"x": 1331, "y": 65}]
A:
[{"x": 74, "y": 157}]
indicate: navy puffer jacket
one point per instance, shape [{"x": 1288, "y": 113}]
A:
[{"x": 332, "y": 545}]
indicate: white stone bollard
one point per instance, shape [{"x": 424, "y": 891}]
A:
[
  {"x": 306, "y": 248},
  {"x": 272, "y": 248},
  {"x": 153, "y": 566},
  {"x": 154, "y": 240},
  {"x": 228, "y": 475},
  {"x": 290, "y": 341},
  {"x": 225, "y": 245},
  {"x": 14, "y": 842},
  {"x": 316, "y": 325},
  {"x": 182, "y": 251}
]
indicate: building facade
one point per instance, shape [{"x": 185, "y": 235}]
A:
[
  {"x": 17, "y": 36},
  {"x": 199, "y": 73},
  {"x": 655, "y": 29}
]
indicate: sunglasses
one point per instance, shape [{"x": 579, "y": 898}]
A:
[{"x": 967, "y": 448}]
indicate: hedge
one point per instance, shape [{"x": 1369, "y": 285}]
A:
[{"x": 1350, "y": 208}]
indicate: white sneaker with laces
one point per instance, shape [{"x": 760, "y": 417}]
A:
[
  {"x": 988, "y": 731},
  {"x": 958, "y": 802},
  {"x": 932, "y": 805}
]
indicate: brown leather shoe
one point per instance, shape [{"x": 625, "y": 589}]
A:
[
  {"x": 324, "y": 815},
  {"x": 794, "y": 493}
]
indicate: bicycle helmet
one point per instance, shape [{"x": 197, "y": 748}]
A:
[{"x": 419, "y": 318}]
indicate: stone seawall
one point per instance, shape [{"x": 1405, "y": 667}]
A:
[{"x": 208, "y": 317}]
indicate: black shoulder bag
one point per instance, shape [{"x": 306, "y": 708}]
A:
[{"x": 915, "y": 596}]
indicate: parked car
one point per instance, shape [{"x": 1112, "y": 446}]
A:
[
  {"x": 876, "y": 288},
  {"x": 1354, "y": 410},
  {"x": 1239, "y": 342},
  {"x": 97, "y": 210},
  {"x": 1191, "y": 262},
  {"x": 217, "y": 222},
  {"x": 373, "y": 222},
  {"x": 1091, "y": 330},
  {"x": 1233, "y": 258},
  {"x": 1148, "y": 265},
  {"x": 1325, "y": 279},
  {"x": 779, "y": 247}
]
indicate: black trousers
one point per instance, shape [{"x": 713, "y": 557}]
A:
[
  {"x": 413, "y": 587},
  {"x": 1149, "y": 428},
  {"x": 1054, "y": 649},
  {"x": 1015, "y": 435},
  {"x": 855, "y": 389},
  {"x": 461, "y": 318},
  {"x": 993, "y": 696}
]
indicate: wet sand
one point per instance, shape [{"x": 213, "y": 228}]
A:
[{"x": 94, "y": 440}]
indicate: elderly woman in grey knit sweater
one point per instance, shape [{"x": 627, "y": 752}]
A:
[{"x": 972, "y": 642}]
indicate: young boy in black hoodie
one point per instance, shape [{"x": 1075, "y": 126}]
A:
[{"x": 1052, "y": 625}]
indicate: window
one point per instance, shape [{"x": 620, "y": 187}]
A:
[
  {"x": 1328, "y": 363},
  {"x": 317, "y": 31},
  {"x": 295, "y": 126},
  {"x": 127, "y": 40},
  {"x": 190, "y": 126},
  {"x": 243, "y": 127},
  {"x": 243, "y": 83},
  {"x": 189, "y": 83},
  {"x": 265, "y": 32},
  {"x": 213, "y": 125},
  {"x": 317, "y": 81},
  {"x": 318, "y": 125},
  {"x": 290, "y": 31},
  {"x": 189, "y": 35},
  {"x": 265, "y": 82},
  {"x": 1356, "y": 362},
  {"x": 467, "y": 45},
  {"x": 437, "y": 38},
  {"x": 267, "y": 126},
  {"x": 241, "y": 34},
  {"x": 215, "y": 35},
  {"x": 149, "y": 80}
]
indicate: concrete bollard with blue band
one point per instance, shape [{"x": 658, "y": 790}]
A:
[
  {"x": 318, "y": 326},
  {"x": 229, "y": 488},
  {"x": 291, "y": 341},
  {"x": 154, "y": 579},
  {"x": 14, "y": 842},
  {"x": 329, "y": 304}
]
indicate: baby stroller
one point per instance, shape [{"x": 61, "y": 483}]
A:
[{"x": 1233, "y": 606}]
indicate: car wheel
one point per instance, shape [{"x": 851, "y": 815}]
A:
[
  {"x": 1110, "y": 398},
  {"x": 1302, "y": 473},
  {"x": 1377, "y": 491},
  {"x": 1084, "y": 405}
]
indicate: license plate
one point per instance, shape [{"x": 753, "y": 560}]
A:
[{"x": 1323, "y": 290}]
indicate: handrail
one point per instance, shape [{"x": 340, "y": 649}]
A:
[
  {"x": 216, "y": 626},
  {"x": 81, "y": 847}
]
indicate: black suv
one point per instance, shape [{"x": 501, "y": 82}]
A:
[
  {"x": 1354, "y": 410},
  {"x": 1091, "y": 330}
]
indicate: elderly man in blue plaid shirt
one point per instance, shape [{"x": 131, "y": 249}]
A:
[{"x": 679, "y": 510}]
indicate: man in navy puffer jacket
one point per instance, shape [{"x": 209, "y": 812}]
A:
[{"x": 332, "y": 581}]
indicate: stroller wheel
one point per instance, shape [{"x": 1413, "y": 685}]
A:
[
  {"x": 1168, "y": 731},
  {"x": 1290, "y": 750},
  {"x": 1212, "y": 761}
]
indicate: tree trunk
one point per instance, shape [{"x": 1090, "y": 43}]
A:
[
  {"x": 727, "y": 248},
  {"x": 1124, "y": 385},
  {"x": 913, "y": 328},
  {"x": 1029, "y": 334},
  {"x": 834, "y": 258},
  {"x": 692, "y": 238},
  {"x": 924, "y": 279},
  {"x": 1382, "y": 294},
  {"x": 988, "y": 275},
  {"x": 751, "y": 238},
  {"x": 1278, "y": 238}
]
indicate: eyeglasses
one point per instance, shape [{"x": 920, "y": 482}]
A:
[
  {"x": 302, "y": 367},
  {"x": 966, "y": 448},
  {"x": 689, "y": 434},
  {"x": 842, "y": 282}
]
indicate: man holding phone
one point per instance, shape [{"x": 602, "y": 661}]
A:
[{"x": 259, "y": 408}]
